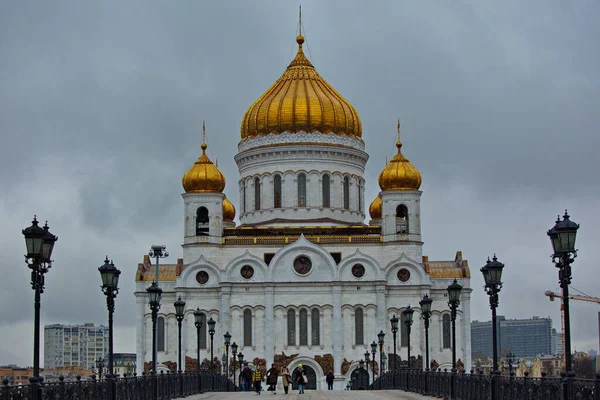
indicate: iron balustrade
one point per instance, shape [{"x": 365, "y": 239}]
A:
[
  {"x": 477, "y": 386},
  {"x": 161, "y": 386}
]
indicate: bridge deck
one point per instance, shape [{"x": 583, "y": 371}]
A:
[{"x": 316, "y": 395}]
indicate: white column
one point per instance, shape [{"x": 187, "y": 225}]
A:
[
  {"x": 141, "y": 335},
  {"x": 466, "y": 330},
  {"x": 224, "y": 318},
  {"x": 381, "y": 309},
  {"x": 269, "y": 329},
  {"x": 337, "y": 332}
]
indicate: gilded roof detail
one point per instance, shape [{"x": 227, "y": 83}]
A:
[
  {"x": 458, "y": 268},
  {"x": 146, "y": 271}
]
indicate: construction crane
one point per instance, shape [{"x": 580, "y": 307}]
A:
[{"x": 552, "y": 295}]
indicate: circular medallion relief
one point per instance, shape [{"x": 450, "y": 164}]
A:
[
  {"x": 302, "y": 265},
  {"x": 403, "y": 275},
  {"x": 247, "y": 272},
  {"x": 358, "y": 270},
  {"x": 202, "y": 277}
]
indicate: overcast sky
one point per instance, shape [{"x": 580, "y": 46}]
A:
[{"x": 101, "y": 108}]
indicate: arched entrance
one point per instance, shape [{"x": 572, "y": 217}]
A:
[
  {"x": 312, "y": 378},
  {"x": 359, "y": 378}
]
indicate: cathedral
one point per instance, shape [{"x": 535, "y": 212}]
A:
[{"x": 303, "y": 278}]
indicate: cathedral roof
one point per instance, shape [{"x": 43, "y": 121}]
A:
[
  {"x": 301, "y": 101},
  {"x": 399, "y": 173},
  {"x": 228, "y": 210},
  {"x": 375, "y": 208},
  {"x": 203, "y": 176}
]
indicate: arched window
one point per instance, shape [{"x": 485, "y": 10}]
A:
[
  {"x": 359, "y": 334},
  {"x": 326, "y": 189},
  {"x": 244, "y": 198},
  {"x": 160, "y": 327},
  {"x": 401, "y": 219},
  {"x": 277, "y": 191},
  {"x": 403, "y": 333},
  {"x": 303, "y": 327},
  {"x": 446, "y": 331},
  {"x": 346, "y": 193},
  {"x": 247, "y": 327},
  {"x": 256, "y": 193},
  {"x": 315, "y": 327},
  {"x": 291, "y": 328},
  {"x": 301, "y": 190},
  {"x": 201, "y": 221},
  {"x": 203, "y": 333}
]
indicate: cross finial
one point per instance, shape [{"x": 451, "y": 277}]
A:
[
  {"x": 300, "y": 20},
  {"x": 204, "y": 146},
  {"x": 398, "y": 128}
]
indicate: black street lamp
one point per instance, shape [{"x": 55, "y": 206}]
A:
[
  {"x": 100, "y": 366},
  {"x": 510, "y": 357},
  {"x": 394, "y": 322},
  {"x": 380, "y": 337},
  {"x": 211, "y": 331},
  {"x": 453, "y": 302},
  {"x": 407, "y": 315},
  {"x": 179, "y": 314},
  {"x": 361, "y": 363},
  {"x": 426, "y": 314},
  {"x": 110, "y": 287},
  {"x": 199, "y": 322},
  {"x": 227, "y": 340},
  {"x": 492, "y": 274},
  {"x": 154, "y": 296},
  {"x": 241, "y": 360},
  {"x": 563, "y": 235},
  {"x": 157, "y": 251},
  {"x": 234, "y": 349},
  {"x": 373, "y": 352},
  {"x": 39, "y": 243}
]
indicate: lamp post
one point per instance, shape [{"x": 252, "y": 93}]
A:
[
  {"x": 100, "y": 366},
  {"x": 453, "y": 302},
  {"x": 426, "y": 314},
  {"x": 380, "y": 337},
  {"x": 179, "y": 315},
  {"x": 510, "y": 356},
  {"x": 157, "y": 251},
  {"x": 211, "y": 331},
  {"x": 408, "y": 321},
  {"x": 367, "y": 359},
  {"x": 39, "y": 243},
  {"x": 227, "y": 340},
  {"x": 241, "y": 360},
  {"x": 562, "y": 236},
  {"x": 394, "y": 322},
  {"x": 234, "y": 348},
  {"x": 199, "y": 322},
  {"x": 492, "y": 274},
  {"x": 110, "y": 287},
  {"x": 373, "y": 352},
  {"x": 154, "y": 296}
]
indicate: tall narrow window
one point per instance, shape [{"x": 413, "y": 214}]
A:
[
  {"x": 326, "y": 194},
  {"x": 203, "y": 333},
  {"x": 161, "y": 333},
  {"x": 277, "y": 191},
  {"x": 244, "y": 198},
  {"x": 301, "y": 190},
  {"x": 315, "y": 327},
  {"x": 291, "y": 328},
  {"x": 403, "y": 333},
  {"x": 303, "y": 327},
  {"x": 360, "y": 199},
  {"x": 256, "y": 193},
  {"x": 247, "y": 327},
  {"x": 446, "y": 331},
  {"x": 358, "y": 326},
  {"x": 202, "y": 221},
  {"x": 401, "y": 219},
  {"x": 346, "y": 193}
]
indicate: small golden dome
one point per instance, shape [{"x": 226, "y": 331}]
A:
[
  {"x": 375, "y": 208},
  {"x": 228, "y": 210},
  {"x": 301, "y": 101},
  {"x": 399, "y": 174},
  {"x": 203, "y": 176}
]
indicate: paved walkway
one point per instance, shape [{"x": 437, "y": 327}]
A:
[{"x": 315, "y": 395}]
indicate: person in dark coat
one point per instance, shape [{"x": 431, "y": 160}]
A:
[
  {"x": 272, "y": 378},
  {"x": 330, "y": 377},
  {"x": 246, "y": 378},
  {"x": 300, "y": 378}
]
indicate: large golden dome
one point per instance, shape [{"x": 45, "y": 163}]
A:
[
  {"x": 375, "y": 208},
  {"x": 203, "y": 176},
  {"x": 301, "y": 101},
  {"x": 228, "y": 210},
  {"x": 399, "y": 174}
]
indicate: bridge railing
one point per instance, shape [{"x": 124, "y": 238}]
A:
[
  {"x": 162, "y": 386},
  {"x": 477, "y": 386}
]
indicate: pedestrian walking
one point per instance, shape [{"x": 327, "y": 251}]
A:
[
  {"x": 257, "y": 379},
  {"x": 246, "y": 378},
  {"x": 330, "y": 377},
  {"x": 272, "y": 375},
  {"x": 300, "y": 378},
  {"x": 286, "y": 378}
]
